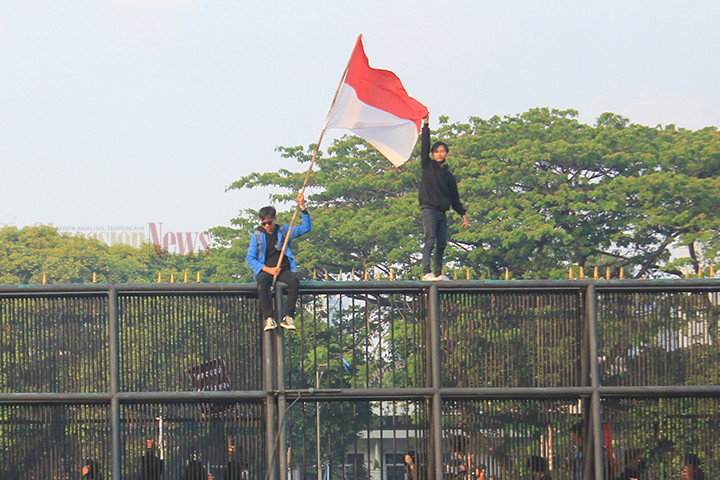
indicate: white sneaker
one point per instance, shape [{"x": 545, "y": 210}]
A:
[
  {"x": 442, "y": 277},
  {"x": 429, "y": 277},
  {"x": 269, "y": 324},
  {"x": 288, "y": 323}
]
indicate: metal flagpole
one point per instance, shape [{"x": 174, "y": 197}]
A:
[{"x": 312, "y": 162}]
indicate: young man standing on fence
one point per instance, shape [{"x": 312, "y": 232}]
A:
[
  {"x": 438, "y": 192},
  {"x": 262, "y": 257}
]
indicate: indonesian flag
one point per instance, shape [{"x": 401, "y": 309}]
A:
[{"x": 374, "y": 105}]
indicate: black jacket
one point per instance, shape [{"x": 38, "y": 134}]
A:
[
  {"x": 151, "y": 467},
  {"x": 438, "y": 188}
]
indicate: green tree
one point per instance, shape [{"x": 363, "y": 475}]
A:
[
  {"x": 543, "y": 192},
  {"x": 28, "y": 253}
]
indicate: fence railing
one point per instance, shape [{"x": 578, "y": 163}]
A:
[{"x": 381, "y": 380}]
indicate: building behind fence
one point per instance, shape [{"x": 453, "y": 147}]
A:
[{"x": 381, "y": 380}]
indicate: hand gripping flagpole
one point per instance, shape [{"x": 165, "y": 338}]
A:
[{"x": 307, "y": 175}]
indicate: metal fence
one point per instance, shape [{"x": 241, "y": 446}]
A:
[{"x": 381, "y": 380}]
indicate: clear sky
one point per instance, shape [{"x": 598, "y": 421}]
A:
[{"x": 125, "y": 112}]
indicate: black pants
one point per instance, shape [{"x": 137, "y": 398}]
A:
[
  {"x": 264, "y": 281},
  {"x": 436, "y": 236}
]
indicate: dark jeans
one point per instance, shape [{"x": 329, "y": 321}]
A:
[
  {"x": 436, "y": 236},
  {"x": 264, "y": 281}
]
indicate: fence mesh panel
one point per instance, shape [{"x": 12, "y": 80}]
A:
[
  {"x": 53, "y": 441},
  {"x": 195, "y": 438},
  {"x": 358, "y": 440},
  {"x": 659, "y": 338},
  {"x": 511, "y": 339},
  {"x": 358, "y": 341},
  {"x": 653, "y": 438},
  {"x": 54, "y": 344},
  {"x": 164, "y": 339},
  {"x": 510, "y": 438}
]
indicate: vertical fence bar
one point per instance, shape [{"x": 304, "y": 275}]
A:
[
  {"x": 434, "y": 359},
  {"x": 268, "y": 385},
  {"x": 280, "y": 380},
  {"x": 114, "y": 347},
  {"x": 597, "y": 440},
  {"x": 586, "y": 442}
]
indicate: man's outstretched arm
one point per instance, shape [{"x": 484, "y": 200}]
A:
[{"x": 425, "y": 141}]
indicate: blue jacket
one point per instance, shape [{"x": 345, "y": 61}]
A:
[{"x": 256, "y": 259}]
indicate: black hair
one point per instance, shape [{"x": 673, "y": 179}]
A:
[
  {"x": 440, "y": 144},
  {"x": 577, "y": 428},
  {"x": 692, "y": 460},
  {"x": 267, "y": 212},
  {"x": 460, "y": 444},
  {"x": 537, "y": 464}
]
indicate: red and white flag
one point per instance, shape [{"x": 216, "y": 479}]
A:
[{"x": 374, "y": 105}]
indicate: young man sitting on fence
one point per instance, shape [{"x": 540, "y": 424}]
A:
[{"x": 262, "y": 257}]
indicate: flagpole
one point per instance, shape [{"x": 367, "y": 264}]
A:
[{"x": 312, "y": 162}]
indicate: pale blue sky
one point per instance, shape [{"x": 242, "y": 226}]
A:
[{"x": 124, "y": 112}]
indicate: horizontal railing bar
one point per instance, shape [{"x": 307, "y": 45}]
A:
[
  {"x": 192, "y": 397},
  {"x": 661, "y": 391},
  {"x": 310, "y": 395},
  {"x": 54, "y": 398},
  {"x": 131, "y": 397},
  {"x": 515, "y": 392},
  {"x": 128, "y": 288},
  {"x": 370, "y": 286},
  {"x": 400, "y": 286},
  {"x": 661, "y": 285}
]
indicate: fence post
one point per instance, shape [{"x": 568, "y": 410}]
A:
[
  {"x": 434, "y": 357},
  {"x": 268, "y": 386},
  {"x": 280, "y": 379},
  {"x": 114, "y": 353},
  {"x": 594, "y": 369}
]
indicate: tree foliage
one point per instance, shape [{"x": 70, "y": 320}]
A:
[
  {"x": 543, "y": 192},
  {"x": 28, "y": 253}
]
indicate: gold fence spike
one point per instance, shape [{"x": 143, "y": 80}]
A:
[
  {"x": 314, "y": 275},
  {"x": 455, "y": 274},
  {"x": 159, "y": 277},
  {"x": 94, "y": 278},
  {"x": 712, "y": 271},
  {"x": 582, "y": 273},
  {"x": 340, "y": 275},
  {"x": 687, "y": 273},
  {"x": 352, "y": 274},
  {"x": 185, "y": 277},
  {"x": 700, "y": 272},
  {"x": 377, "y": 274},
  {"x": 596, "y": 273},
  {"x": 197, "y": 279},
  {"x": 570, "y": 274},
  {"x": 327, "y": 278},
  {"x": 507, "y": 274},
  {"x": 392, "y": 275},
  {"x": 365, "y": 275},
  {"x": 622, "y": 273},
  {"x": 608, "y": 276},
  {"x": 44, "y": 279},
  {"x": 467, "y": 274},
  {"x": 172, "y": 278}
]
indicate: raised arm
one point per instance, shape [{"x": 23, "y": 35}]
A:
[{"x": 425, "y": 142}]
